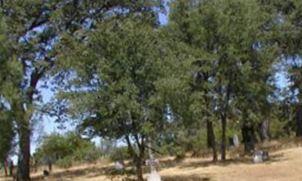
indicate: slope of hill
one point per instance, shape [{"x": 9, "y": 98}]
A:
[{"x": 284, "y": 165}]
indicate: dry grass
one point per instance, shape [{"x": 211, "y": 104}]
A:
[{"x": 284, "y": 165}]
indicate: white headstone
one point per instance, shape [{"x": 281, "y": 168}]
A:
[
  {"x": 236, "y": 141},
  {"x": 257, "y": 158},
  {"x": 118, "y": 165},
  {"x": 154, "y": 176}
]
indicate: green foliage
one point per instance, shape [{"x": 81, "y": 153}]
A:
[
  {"x": 66, "y": 150},
  {"x": 121, "y": 63},
  {"x": 6, "y": 136},
  {"x": 65, "y": 162},
  {"x": 277, "y": 129},
  {"x": 126, "y": 58},
  {"x": 10, "y": 78},
  {"x": 227, "y": 52},
  {"x": 119, "y": 153},
  {"x": 88, "y": 153}
]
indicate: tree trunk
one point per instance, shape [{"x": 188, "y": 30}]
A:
[
  {"x": 24, "y": 156},
  {"x": 137, "y": 157},
  {"x": 5, "y": 168},
  {"x": 139, "y": 169},
  {"x": 140, "y": 160},
  {"x": 298, "y": 121},
  {"x": 223, "y": 137},
  {"x": 50, "y": 167},
  {"x": 211, "y": 139},
  {"x": 249, "y": 138}
]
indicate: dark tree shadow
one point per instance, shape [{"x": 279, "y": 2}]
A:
[
  {"x": 109, "y": 171},
  {"x": 206, "y": 163},
  {"x": 244, "y": 160},
  {"x": 185, "y": 178}
]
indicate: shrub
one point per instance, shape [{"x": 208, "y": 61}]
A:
[
  {"x": 119, "y": 153},
  {"x": 65, "y": 162},
  {"x": 65, "y": 149}
]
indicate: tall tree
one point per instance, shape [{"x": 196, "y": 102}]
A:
[
  {"x": 230, "y": 36},
  {"x": 287, "y": 15},
  {"x": 196, "y": 66},
  {"x": 290, "y": 44},
  {"x": 35, "y": 26},
  {"x": 116, "y": 70}
]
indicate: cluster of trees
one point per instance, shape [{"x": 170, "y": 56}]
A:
[
  {"x": 66, "y": 150},
  {"x": 74, "y": 149},
  {"x": 33, "y": 28},
  {"x": 210, "y": 72}
]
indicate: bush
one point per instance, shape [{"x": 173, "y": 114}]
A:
[
  {"x": 66, "y": 162},
  {"x": 65, "y": 149},
  {"x": 88, "y": 154},
  {"x": 119, "y": 153}
]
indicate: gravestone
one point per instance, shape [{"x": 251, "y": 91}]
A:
[
  {"x": 154, "y": 176},
  {"x": 153, "y": 163},
  {"x": 119, "y": 166},
  {"x": 236, "y": 141},
  {"x": 257, "y": 158},
  {"x": 260, "y": 156}
]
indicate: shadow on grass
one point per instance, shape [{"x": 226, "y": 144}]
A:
[
  {"x": 206, "y": 163},
  {"x": 110, "y": 173},
  {"x": 92, "y": 172},
  {"x": 243, "y": 160}
]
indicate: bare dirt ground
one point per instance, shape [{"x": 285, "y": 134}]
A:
[{"x": 285, "y": 165}]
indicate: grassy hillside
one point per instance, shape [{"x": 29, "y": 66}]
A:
[{"x": 284, "y": 165}]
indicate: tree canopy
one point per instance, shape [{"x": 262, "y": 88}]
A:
[
  {"x": 117, "y": 69},
  {"x": 10, "y": 78}
]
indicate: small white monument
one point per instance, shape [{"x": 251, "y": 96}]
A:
[
  {"x": 260, "y": 156},
  {"x": 153, "y": 176},
  {"x": 257, "y": 158},
  {"x": 236, "y": 141},
  {"x": 119, "y": 166}
]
